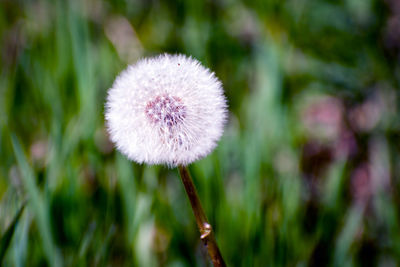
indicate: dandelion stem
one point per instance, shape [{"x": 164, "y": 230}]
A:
[{"x": 206, "y": 233}]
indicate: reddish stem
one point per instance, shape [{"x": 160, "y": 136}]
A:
[{"x": 206, "y": 232}]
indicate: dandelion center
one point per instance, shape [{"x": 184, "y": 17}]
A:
[{"x": 166, "y": 110}]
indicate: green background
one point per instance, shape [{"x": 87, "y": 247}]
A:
[{"x": 306, "y": 174}]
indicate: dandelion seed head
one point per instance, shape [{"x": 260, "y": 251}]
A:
[{"x": 166, "y": 110}]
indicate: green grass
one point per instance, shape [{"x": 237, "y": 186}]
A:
[{"x": 288, "y": 185}]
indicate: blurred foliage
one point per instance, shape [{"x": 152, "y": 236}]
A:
[{"x": 307, "y": 173}]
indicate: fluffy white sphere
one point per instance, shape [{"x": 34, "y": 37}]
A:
[{"x": 166, "y": 110}]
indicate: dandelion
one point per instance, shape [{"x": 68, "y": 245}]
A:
[
  {"x": 169, "y": 110},
  {"x": 166, "y": 110}
]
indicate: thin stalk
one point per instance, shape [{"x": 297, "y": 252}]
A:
[{"x": 206, "y": 232}]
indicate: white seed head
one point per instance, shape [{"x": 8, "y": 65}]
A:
[{"x": 166, "y": 110}]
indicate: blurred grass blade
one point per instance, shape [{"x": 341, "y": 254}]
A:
[
  {"x": 37, "y": 204},
  {"x": 348, "y": 234},
  {"x": 87, "y": 238},
  {"x": 127, "y": 186},
  {"x": 7, "y": 237}
]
